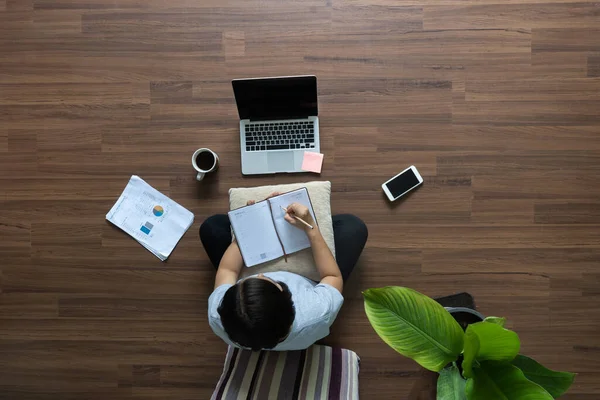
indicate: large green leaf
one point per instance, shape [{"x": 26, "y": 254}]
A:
[
  {"x": 488, "y": 341},
  {"x": 414, "y": 325},
  {"x": 451, "y": 384},
  {"x": 556, "y": 383},
  {"x": 471, "y": 349},
  {"x": 502, "y": 381}
]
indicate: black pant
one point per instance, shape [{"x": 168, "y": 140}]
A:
[{"x": 350, "y": 235}]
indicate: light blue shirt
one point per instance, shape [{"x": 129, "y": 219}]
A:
[{"x": 317, "y": 306}]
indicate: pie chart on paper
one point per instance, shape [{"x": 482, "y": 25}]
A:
[{"x": 158, "y": 211}]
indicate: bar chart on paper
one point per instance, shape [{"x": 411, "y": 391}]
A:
[
  {"x": 150, "y": 217},
  {"x": 147, "y": 227}
]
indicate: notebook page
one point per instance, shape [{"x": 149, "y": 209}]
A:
[
  {"x": 253, "y": 228},
  {"x": 293, "y": 239}
]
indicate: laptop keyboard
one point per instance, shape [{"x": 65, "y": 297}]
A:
[{"x": 280, "y": 136}]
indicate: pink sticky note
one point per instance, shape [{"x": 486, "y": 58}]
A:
[{"x": 312, "y": 162}]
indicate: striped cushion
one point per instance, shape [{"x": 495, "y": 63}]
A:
[{"x": 319, "y": 372}]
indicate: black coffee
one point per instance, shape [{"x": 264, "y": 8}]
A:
[{"x": 205, "y": 160}]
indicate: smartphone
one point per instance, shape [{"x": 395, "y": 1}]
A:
[{"x": 402, "y": 183}]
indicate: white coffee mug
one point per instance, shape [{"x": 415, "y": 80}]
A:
[{"x": 204, "y": 161}]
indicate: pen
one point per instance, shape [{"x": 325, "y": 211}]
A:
[{"x": 298, "y": 218}]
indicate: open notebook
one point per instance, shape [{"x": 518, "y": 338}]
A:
[{"x": 262, "y": 232}]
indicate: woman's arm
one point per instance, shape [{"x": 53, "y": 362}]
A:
[
  {"x": 326, "y": 264},
  {"x": 230, "y": 266}
]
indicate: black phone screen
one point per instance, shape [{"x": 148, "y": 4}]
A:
[{"x": 402, "y": 183}]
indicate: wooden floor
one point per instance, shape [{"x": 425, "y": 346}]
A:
[{"x": 497, "y": 102}]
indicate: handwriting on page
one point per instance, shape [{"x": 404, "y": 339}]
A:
[{"x": 293, "y": 239}]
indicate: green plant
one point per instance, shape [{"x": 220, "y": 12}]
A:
[{"x": 418, "y": 327}]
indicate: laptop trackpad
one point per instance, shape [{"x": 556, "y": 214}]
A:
[{"x": 281, "y": 161}]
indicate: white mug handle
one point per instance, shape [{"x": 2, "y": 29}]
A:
[{"x": 200, "y": 176}]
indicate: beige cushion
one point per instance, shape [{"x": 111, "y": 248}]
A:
[{"x": 302, "y": 262}]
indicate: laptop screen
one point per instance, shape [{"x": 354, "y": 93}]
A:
[{"x": 276, "y": 98}]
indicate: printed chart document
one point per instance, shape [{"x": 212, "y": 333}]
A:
[
  {"x": 150, "y": 217},
  {"x": 262, "y": 232}
]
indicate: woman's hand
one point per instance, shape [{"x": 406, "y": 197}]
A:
[{"x": 301, "y": 212}]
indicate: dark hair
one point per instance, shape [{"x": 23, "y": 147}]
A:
[{"x": 256, "y": 314}]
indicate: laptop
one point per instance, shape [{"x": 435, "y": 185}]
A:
[{"x": 278, "y": 122}]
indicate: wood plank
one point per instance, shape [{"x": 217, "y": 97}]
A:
[
  {"x": 67, "y": 329},
  {"x": 567, "y": 213},
  {"x": 15, "y": 234},
  {"x": 410, "y": 100},
  {"x": 110, "y": 352},
  {"x": 516, "y": 16},
  {"x": 444, "y": 45},
  {"x": 487, "y": 138},
  {"x": 58, "y": 234},
  {"x": 57, "y": 22},
  {"x": 433, "y": 65},
  {"x": 560, "y": 64},
  {"x": 3, "y": 140},
  {"x": 69, "y": 188},
  {"x": 536, "y": 185},
  {"x": 145, "y": 375},
  {"x": 209, "y": 42},
  {"x": 66, "y": 94},
  {"x": 18, "y": 5},
  {"x": 182, "y": 137},
  {"x": 171, "y": 92},
  {"x": 82, "y": 66},
  {"x": 113, "y": 281},
  {"x": 22, "y": 22},
  {"x": 234, "y": 44},
  {"x": 444, "y": 2},
  {"x": 156, "y": 5},
  {"x": 21, "y": 161},
  {"x": 545, "y": 261},
  {"x": 189, "y": 376},
  {"x": 49, "y": 211},
  {"x": 285, "y": 15},
  {"x": 38, "y": 117},
  {"x": 562, "y": 40},
  {"x": 374, "y": 19},
  {"x": 88, "y": 164},
  {"x": 472, "y": 236},
  {"x": 568, "y": 112},
  {"x": 28, "y": 305},
  {"x": 131, "y": 256},
  {"x": 73, "y": 139},
  {"x": 167, "y": 393},
  {"x": 534, "y": 90},
  {"x": 488, "y": 164},
  {"x": 175, "y": 307},
  {"x": 593, "y": 65},
  {"x": 500, "y": 211}
]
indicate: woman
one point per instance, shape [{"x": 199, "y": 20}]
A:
[{"x": 279, "y": 310}]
